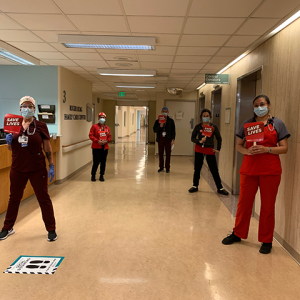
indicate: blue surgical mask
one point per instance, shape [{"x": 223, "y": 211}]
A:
[
  {"x": 101, "y": 121},
  {"x": 27, "y": 113},
  {"x": 165, "y": 114},
  {"x": 205, "y": 120},
  {"x": 261, "y": 111}
]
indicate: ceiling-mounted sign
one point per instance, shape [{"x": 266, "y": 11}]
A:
[
  {"x": 121, "y": 94},
  {"x": 216, "y": 78}
]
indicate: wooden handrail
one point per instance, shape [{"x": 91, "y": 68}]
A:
[{"x": 76, "y": 143}]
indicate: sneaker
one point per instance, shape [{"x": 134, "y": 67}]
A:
[
  {"x": 223, "y": 192},
  {"x": 230, "y": 239},
  {"x": 168, "y": 171},
  {"x": 160, "y": 170},
  {"x": 193, "y": 189},
  {"x": 101, "y": 178},
  {"x": 6, "y": 233},
  {"x": 265, "y": 248},
  {"x": 93, "y": 178},
  {"x": 52, "y": 236}
]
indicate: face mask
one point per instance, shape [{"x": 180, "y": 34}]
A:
[
  {"x": 205, "y": 120},
  {"x": 261, "y": 110},
  {"x": 27, "y": 113},
  {"x": 102, "y": 121},
  {"x": 165, "y": 114}
]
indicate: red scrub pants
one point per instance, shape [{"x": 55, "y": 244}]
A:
[
  {"x": 39, "y": 182},
  {"x": 249, "y": 184}
]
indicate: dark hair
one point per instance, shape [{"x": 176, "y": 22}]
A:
[
  {"x": 261, "y": 96},
  {"x": 203, "y": 111}
]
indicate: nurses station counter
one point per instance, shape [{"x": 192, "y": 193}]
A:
[{"x": 5, "y": 164}]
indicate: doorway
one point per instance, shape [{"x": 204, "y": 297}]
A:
[
  {"x": 248, "y": 87},
  {"x": 201, "y": 105}
]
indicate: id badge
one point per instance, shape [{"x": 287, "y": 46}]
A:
[
  {"x": 23, "y": 140},
  {"x": 164, "y": 134}
]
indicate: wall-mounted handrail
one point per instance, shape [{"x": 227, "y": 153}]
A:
[{"x": 71, "y": 147}]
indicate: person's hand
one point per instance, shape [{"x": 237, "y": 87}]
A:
[
  {"x": 250, "y": 151},
  {"x": 172, "y": 142},
  {"x": 9, "y": 138},
  {"x": 259, "y": 149},
  {"x": 161, "y": 124},
  {"x": 100, "y": 142},
  {"x": 51, "y": 173},
  {"x": 203, "y": 140},
  {"x": 216, "y": 150}
]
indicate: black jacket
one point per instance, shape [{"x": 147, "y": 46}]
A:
[
  {"x": 209, "y": 143},
  {"x": 170, "y": 129}
]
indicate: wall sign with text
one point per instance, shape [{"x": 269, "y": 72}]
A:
[{"x": 73, "y": 116}]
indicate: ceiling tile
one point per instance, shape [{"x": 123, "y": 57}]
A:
[
  {"x": 212, "y": 25},
  {"x": 7, "y": 23},
  {"x": 222, "y": 59},
  {"x": 276, "y": 8},
  {"x": 227, "y": 51},
  {"x": 151, "y": 65},
  {"x": 257, "y": 26},
  {"x": 211, "y": 66},
  {"x": 29, "y": 6},
  {"x": 156, "y": 58},
  {"x": 124, "y": 64},
  {"x": 181, "y": 71},
  {"x": 221, "y": 8},
  {"x": 197, "y": 50},
  {"x": 194, "y": 58},
  {"x": 6, "y": 62},
  {"x": 122, "y": 57},
  {"x": 47, "y": 55},
  {"x": 92, "y": 63},
  {"x": 32, "y": 46},
  {"x": 163, "y": 39},
  {"x": 155, "y": 24},
  {"x": 162, "y": 71},
  {"x": 178, "y": 77},
  {"x": 241, "y": 41},
  {"x": 18, "y": 36},
  {"x": 52, "y": 36},
  {"x": 60, "y": 62},
  {"x": 94, "y": 7},
  {"x": 203, "y": 40},
  {"x": 119, "y": 52},
  {"x": 99, "y": 23},
  {"x": 192, "y": 66},
  {"x": 77, "y": 70},
  {"x": 43, "y": 21},
  {"x": 155, "y": 7},
  {"x": 85, "y": 56}
]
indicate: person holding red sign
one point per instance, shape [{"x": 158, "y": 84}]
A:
[
  {"x": 164, "y": 127},
  {"x": 28, "y": 163},
  {"x": 203, "y": 136},
  {"x": 100, "y": 135},
  {"x": 261, "y": 168}
]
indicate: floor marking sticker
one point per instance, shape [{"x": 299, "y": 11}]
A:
[{"x": 42, "y": 265}]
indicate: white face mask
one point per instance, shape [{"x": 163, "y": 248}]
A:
[
  {"x": 261, "y": 111},
  {"x": 102, "y": 121}
]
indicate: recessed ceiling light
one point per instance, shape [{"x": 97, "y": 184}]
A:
[
  {"x": 135, "y": 85},
  {"x": 107, "y": 42},
  {"x": 117, "y": 72}
]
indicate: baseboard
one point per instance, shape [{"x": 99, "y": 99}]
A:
[{"x": 72, "y": 174}]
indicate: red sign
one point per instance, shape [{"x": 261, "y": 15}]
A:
[
  {"x": 12, "y": 123},
  {"x": 254, "y": 132},
  {"x": 102, "y": 135},
  {"x": 162, "y": 119},
  {"x": 207, "y": 130}
]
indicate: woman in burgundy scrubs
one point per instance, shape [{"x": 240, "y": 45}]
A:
[
  {"x": 28, "y": 163},
  {"x": 261, "y": 168}
]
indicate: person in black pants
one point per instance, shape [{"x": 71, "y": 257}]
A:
[
  {"x": 165, "y": 137},
  {"x": 205, "y": 148}
]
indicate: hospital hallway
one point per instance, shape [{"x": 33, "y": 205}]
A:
[{"x": 141, "y": 236}]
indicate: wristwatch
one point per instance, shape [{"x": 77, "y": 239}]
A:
[
  {"x": 269, "y": 150},
  {"x": 50, "y": 165}
]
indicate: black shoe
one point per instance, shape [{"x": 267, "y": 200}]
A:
[
  {"x": 101, "y": 178},
  {"x": 93, "y": 178},
  {"x": 230, "y": 239},
  {"x": 168, "y": 171},
  {"x": 52, "y": 236},
  {"x": 6, "y": 233},
  {"x": 223, "y": 192},
  {"x": 265, "y": 248},
  {"x": 160, "y": 170},
  {"x": 193, "y": 189}
]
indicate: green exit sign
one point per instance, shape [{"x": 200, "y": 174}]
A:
[{"x": 121, "y": 94}]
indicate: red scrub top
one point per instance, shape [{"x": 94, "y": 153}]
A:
[
  {"x": 94, "y": 135},
  {"x": 265, "y": 163},
  {"x": 30, "y": 158}
]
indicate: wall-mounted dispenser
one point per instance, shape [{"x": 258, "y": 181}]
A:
[{"x": 46, "y": 113}]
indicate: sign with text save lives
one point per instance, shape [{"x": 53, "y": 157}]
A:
[
  {"x": 216, "y": 78},
  {"x": 254, "y": 132},
  {"x": 12, "y": 123},
  {"x": 207, "y": 130}
]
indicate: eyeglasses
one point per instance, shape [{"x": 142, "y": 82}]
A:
[{"x": 27, "y": 106}]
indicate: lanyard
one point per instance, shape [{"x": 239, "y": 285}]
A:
[{"x": 27, "y": 130}]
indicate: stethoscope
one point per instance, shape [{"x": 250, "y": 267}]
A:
[{"x": 31, "y": 133}]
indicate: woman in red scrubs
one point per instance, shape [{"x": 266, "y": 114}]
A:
[
  {"x": 28, "y": 163},
  {"x": 261, "y": 168}
]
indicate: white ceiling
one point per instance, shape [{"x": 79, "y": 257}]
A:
[{"x": 193, "y": 37}]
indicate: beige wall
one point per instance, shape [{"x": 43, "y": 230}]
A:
[
  {"x": 109, "y": 107},
  {"x": 78, "y": 93},
  {"x": 280, "y": 81}
]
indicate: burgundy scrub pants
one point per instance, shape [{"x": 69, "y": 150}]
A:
[{"x": 39, "y": 182}]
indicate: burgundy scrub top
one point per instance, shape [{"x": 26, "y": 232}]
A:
[{"x": 30, "y": 158}]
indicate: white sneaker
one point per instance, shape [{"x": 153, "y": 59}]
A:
[{"x": 6, "y": 233}]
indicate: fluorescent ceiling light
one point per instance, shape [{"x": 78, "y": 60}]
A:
[
  {"x": 107, "y": 42},
  {"x": 116, "y": 72},
  {"x": 286, "y": 23},
  {"x": 200, "y": 86},
  {"x": 135, "y": 85},
  {"x": 15, "y": 58},
  {"x": 126, "y": 99}
]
